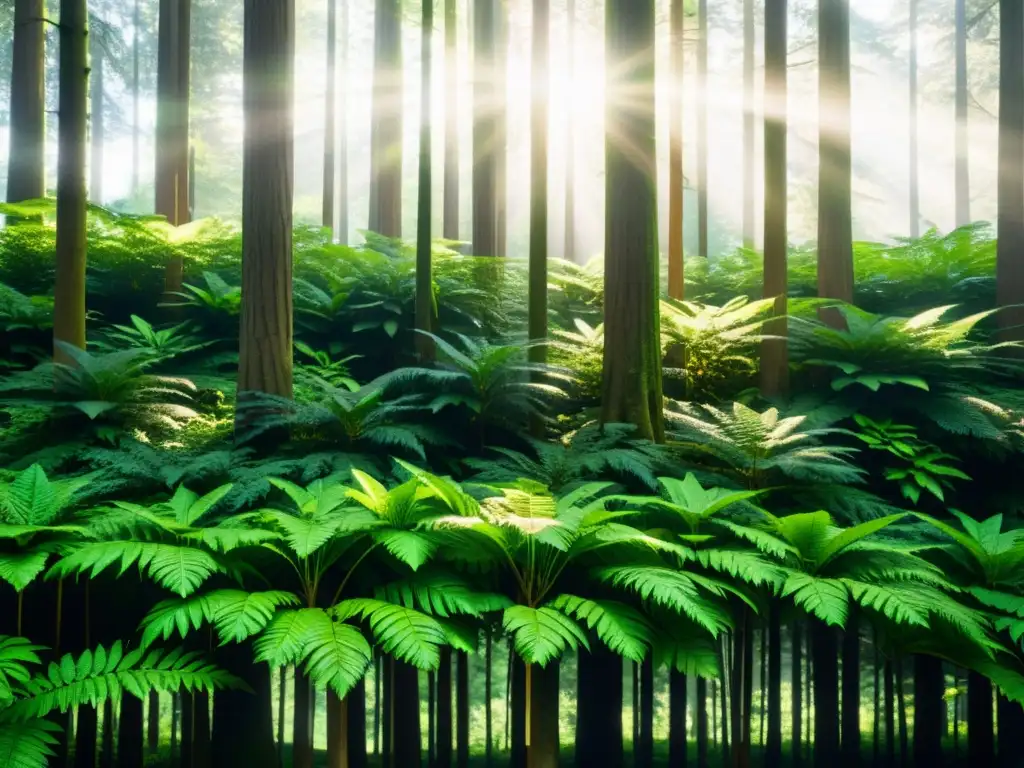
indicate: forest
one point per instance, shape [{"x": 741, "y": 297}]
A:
[{"x": 529, "y": 383}]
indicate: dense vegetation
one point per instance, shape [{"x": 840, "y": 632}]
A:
[{"x": 269, "y": 498}]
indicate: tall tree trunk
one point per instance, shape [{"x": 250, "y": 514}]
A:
[
  {"x": 69, "y": 291},
  {"x": 890, "y": 716},
  {"x": 356, "y": 717},
  {"x": 929, "y": 687},
  {"x": 172, "y": 119},
  {"x": 599, "y": 709},
  {"x": 327, "y": 213},
  {"x": 538, "y": 277},
  {"x": 451, "y": 121},
  {"x": 188, "y": 721},
  {"x": 635, "y": 708},
  {"x": 702, "y": 723},
  {"x": 850, "y": 713},
  {"x": 901, "y": 701},
  {"x": 341, "y": 230},
  {"x": 774, "y": 351},
  {"x": 773, "y": 745},
  {"x": 676, "y": 269},
  {"x": 677, "y": 736},
  {"x": 1011, "y": 733},
  {"x": 462, "y": 710},
  {"x": 826, "y": 695},
  {"x": 282, "y": 697},
  {"x": 424, "y": 281},
  {"x": 153, "y": 724},
  {"x": 386, "y": 138},
  {"x": 517, "y": 757},
  {"x": 1010, "y": 247},
  {"x": 243, "y": 729},
  {"x": 980, "y": 725},
  {"x": 26, "y": 171},
  {"x": 876, "y": 751},
  {"x": 488, "y": 692},
  {"x": 302, "y": 722},
  {"x": 130, "y": 753},
  {"x": 835, "y": 175},
  {"x": 632, "y": 352},
  {"x": 644, "y": 753},
  {"x": 796, "y": 669},
  {"x": 107, "y": 735},
  {"x": 542, "y": 694},
  {"x": 485, "y": 131},
  {"x": 85, "y": 737},
  {"x": 915, "y": 187},
  {"x": 337, "y": 730},
  {"x": 702, "y": 128},
  {"x": 202, "y": 748},
  {"x": 431, "y": 718},
  {"x": 96, "y": 131},
  {"x": 265, "y": 341},
  {"x": 962, "y": 141},
  {"x": 749, "y": 193},
  {"x": 136, "y": 31},
  {"x": 406, "y": 742},
  {"x": 443, "y": 750},
  {"x": 501, "y": 12},
  {"x": 569, "y": 249},
  {"x": 387, "y": 712}
]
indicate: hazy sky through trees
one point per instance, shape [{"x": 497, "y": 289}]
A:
[{"x": 880, "y": 114}]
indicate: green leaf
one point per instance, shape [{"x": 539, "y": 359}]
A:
[
  {"x": 541, "y": 635},
  {"x": 827, "y": 599},
  {"x": 623, "y": 629},
  {"x": 19, "y": 569},
  {"x": 410, "y": 547},
  {"x": 337, "y": 655},
  {"x": 405, "y": 633}
]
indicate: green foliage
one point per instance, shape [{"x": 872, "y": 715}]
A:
[{"x": 161, "y": 344}]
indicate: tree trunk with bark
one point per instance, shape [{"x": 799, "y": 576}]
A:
[
  {"x": 644, "y": 751},
  {"x": 337, "y": 731},
  {"x": 243, "y": 730},
  {"x": 677, "y": 736},
  {"x": 69, "y": 291},
  {"x": 749, "y": 195},
  {"x": 835, "y": 175},
  {"x": 172, "y": 119},
  {"x": 485, "y": 131},
  {"x": 676, "y": 270},
  {"x": 980, "y": 725},
  {"x": 462, "y": 710},
  {"x": 265, "y": 340},
  {"x": 825, "y": 651},
  {"x": 302, "y": 722},
  {"x": 443, "y": 748},
  {"x": 96, "y": 137},
  {"x": 702, "y": 128},
  {"x": 599, "y": 709},
  {"x": 569, "y": 248},
  {"x": 915, "y": 185},
  {"x": 702, "y": 723},
  {"x": 929, "y": 687},
  {"x": 774, "y": 351},
  {"x": 962, "y": 140},
  {"x": 451, "y": 121},
  {"x": 130, "y": 753},
  {"x": 406, "y": 742},
  {"x": 341, "y": 229},
  {"x": 632, "y": 354},
  {"x": 424, "y": 281},
  {"x": 153, "y": 723},
  {"x": 773, "y": 744},
  {"x": 538, "y": 277},
  {"x": 26, "y": 170},
  {"x": 1010, "y": 246},
  {"x": 356, "y": 716},
  {"x": 330, "y": 131},
  {"x": 542, "y": 693},
  {"x": 850, "y": 713},
  {"x": 386, "y": 137},
  {"x": 517, "y": 757}
]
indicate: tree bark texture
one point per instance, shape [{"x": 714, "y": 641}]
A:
[
  {"x": 337, "y": 731},
  {"x": 774, "y": 351},
  {"x": 1010, "y": 246},
  {"x": 265, "y": 342},
  {"x": 542, "y": 741},
  {"x": 26, "y": 171},
  {"x": 302, "y": 722},
  {"x": 485, "y": 130},
  {"x": 632, "y": 390},
  {"x": 386, "y": 137},
  {"x": 835, "y": 175},
  {"x": 451, "y": 122},
  {"x": 69, "y": 291}
]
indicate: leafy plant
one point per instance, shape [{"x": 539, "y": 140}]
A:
[
  {"x": 214, "y": 306},
  {"x": 323, "y": 366},
  {"x": 920, "y": 466},
  {"x": 114, "y": 387},
  {"x": 161, "y": 344}
]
